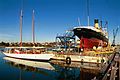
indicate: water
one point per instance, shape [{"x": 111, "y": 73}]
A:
[{"x": 18, "y": 69}]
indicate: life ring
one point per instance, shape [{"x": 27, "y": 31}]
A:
[{"x": 68, "y": 60}]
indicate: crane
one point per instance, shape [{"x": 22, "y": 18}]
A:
[{"x": 114, "y": 35}]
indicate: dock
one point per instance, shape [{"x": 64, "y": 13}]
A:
[
  {"x": 112, "y": 72},
  {"x": 109, "y": 70}
]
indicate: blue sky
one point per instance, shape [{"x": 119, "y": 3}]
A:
[{"x": 54, "y": 16}]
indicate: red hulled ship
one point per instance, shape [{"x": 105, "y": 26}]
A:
[{"x": 91, "y": 36}]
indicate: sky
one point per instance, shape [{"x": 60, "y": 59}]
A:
[{"x": 53, "y": 17}]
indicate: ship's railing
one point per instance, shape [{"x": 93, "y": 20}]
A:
[{"x": 25, "y": 50}]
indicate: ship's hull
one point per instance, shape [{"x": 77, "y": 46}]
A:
[
  {"x": 42, "y": 56},
  {"x": 80, "y": 58},
  {"x": 90, "y": 38}
]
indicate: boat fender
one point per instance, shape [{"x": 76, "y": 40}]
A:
[
  {"x": 97, "y": 60},
  {"x": 102, "y": 60},
  {"x": 82, "y": 60},
  {"x": 68, "y": 60}
]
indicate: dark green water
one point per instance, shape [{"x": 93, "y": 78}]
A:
[{"x": 17, "y": 69}]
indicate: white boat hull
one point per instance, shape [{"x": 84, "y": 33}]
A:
[{"x": 42, "y": 56}]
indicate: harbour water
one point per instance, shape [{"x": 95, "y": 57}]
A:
[{"x": 18, "y": 69}]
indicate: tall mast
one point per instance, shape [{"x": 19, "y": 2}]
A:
[
  {"x": 88, "y": 17},
  {"x": 33, "y": 33},
  {"x": 78, "y": 21},
  {"x": 21, "y": 23}
]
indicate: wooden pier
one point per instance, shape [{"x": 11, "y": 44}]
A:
[
  {"x": 112, "y": 72},
  {"x": 109, "y": 69}
]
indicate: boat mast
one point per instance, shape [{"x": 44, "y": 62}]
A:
[
  {"x": 33, "y": 33},
  {"x": 78, "y": 21},
  {"x": 88, "y": 12},
  {"x": 21, "y": 23}
]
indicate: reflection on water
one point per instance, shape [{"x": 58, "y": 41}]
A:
[
  {"x": 29, "y": 63},
  {"x": 20, "y": 69},
  {"x": 34, "y": 67},
  {"x": 76, "y": 71}
]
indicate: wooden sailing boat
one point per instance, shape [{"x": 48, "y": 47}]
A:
[{"x": 32, "y": 53}]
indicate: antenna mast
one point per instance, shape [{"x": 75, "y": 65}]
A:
[
  {"x": 88, "y": 12},
  {"x": 33, "y": 33}
]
